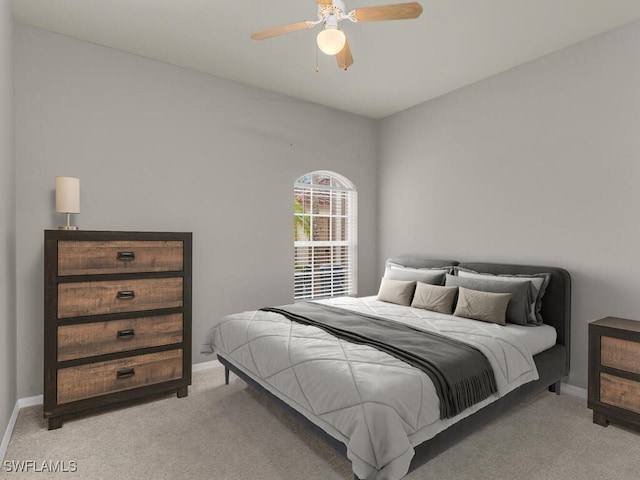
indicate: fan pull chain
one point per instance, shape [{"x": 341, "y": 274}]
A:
[{"x": 317, "y": 67}]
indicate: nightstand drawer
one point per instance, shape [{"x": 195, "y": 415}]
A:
[
  {"x": 118, "y": 256},
  {"x": 101, "y": 378},
  {"x": 77, "y": 299},
  {"x": 99, "y": 338},
  {"x": 620, "y": 354},
  {"x": 620, "y": 392}
]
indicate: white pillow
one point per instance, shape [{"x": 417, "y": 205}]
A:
[{"x": 433, "y": 276}]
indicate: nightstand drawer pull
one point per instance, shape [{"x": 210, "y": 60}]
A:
[
  {"x": 126, "y": 294},
  {"x": 128, "y": 333},
  {"x": 126, "y": 256},
  {"x": 126, "y": 373}
]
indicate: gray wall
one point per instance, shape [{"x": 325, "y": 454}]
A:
[
  {"x": 538, "y": 165},
  {"x": 157, "y": 147},
  {"x": 7, "y": 224}
]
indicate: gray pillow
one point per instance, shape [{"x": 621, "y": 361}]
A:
[
  {"x": 396, "y": 291},
  {"x": 539, "y": 282},
  {"x": 519, "y": 305},
  {"x": 485, "y": 306},
  {"x": 434, "y": 276},
  {"x": 434, "y": 297}
]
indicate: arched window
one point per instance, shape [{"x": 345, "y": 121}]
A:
[{"x": 325, "y": 235}]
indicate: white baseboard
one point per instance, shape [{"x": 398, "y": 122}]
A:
[
  {"x": 573, "y": 390},
  {"x": 205, "y": 365},
  {"x": 9, "y": 431},
  {"x": 38, "y": 399},
  {"x": 30, "y": 401}
]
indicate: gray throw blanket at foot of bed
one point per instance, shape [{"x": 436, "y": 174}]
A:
[{"x": 461, "y": 374}]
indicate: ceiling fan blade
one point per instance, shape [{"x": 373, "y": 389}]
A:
[
  {"x": 344, "y": 57},
  {"x": 323, "y": 2},
  {"x": 281, "y": 30},
  {"x": 398, "y": 11}
]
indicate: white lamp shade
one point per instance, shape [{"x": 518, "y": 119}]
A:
[
  {"x": 331, "y": 40},
  {"x": 67, "y": 195}
]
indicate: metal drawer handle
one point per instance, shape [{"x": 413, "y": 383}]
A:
[
  {"x": 126, "y": 294},
  {"x": 125, "y": 373},
  {"x": 129, "y": 333},
  {"x": 126, "y": 256}
]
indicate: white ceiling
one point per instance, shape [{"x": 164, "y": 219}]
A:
[{"x": 397, "y": 64}]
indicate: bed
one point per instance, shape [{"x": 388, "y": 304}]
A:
[{"x": 385, "y": 415}]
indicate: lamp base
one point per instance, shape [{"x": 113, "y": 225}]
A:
[{"x": 68, "y": 226}]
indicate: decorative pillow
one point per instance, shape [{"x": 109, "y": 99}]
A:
[
  {"x": 485, "y": 306},
  {"x": 519, "y": 305},
  {"x": 434, "y": 276},
  {"x": 434, "y": 297},
  {"x": 539, "y": 282},
  {"x": 396, "y": 291}
]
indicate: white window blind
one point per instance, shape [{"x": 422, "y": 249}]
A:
[{"x": 325, "y": 236}]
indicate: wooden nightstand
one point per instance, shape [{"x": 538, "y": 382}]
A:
[
  {"x": 614, "y": 371},
  {"x": 117, "y": 323}
]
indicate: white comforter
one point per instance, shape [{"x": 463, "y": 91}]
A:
[{"x": 379, "y": 406}]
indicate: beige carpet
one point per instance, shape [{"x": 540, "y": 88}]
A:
[{"x": 231, "y": 432}]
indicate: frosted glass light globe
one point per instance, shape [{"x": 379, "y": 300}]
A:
[{"x": 331, "y": 40}]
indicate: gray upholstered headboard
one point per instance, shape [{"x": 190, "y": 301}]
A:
[
  {"x": 416, "y": 261},
  {"x": 556, "y": 303}
]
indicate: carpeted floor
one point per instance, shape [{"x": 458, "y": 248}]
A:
[{"x": 232, "y": 433}]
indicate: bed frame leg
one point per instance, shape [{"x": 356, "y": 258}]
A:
[
  {"x": 226, "y": 375},
  {"x": 555, "y": 387}
]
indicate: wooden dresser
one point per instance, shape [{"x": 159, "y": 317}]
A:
[
  {"x": 614, "y": 371},
  {"x": 117, "y": 319}
]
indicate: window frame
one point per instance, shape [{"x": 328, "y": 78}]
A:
[{"x": 312, "y": 278}]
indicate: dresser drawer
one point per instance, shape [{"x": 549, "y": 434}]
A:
[
  {"x": 99, "y": 338},
  {"x": 78, "y": 299},
  {"x": 620, "y": 392},
  {"x": 101, "y": 378},
  {"x": 620, "y": 354},
  {"x": 118, "y": 256}
]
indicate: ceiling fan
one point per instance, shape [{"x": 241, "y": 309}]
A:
[{"x": 331, "y": 40}]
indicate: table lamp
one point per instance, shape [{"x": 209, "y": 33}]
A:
[{"x": 68, "y": 199}]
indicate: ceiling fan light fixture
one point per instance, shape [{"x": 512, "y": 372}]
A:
[{"x": 331, "y": 40}]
